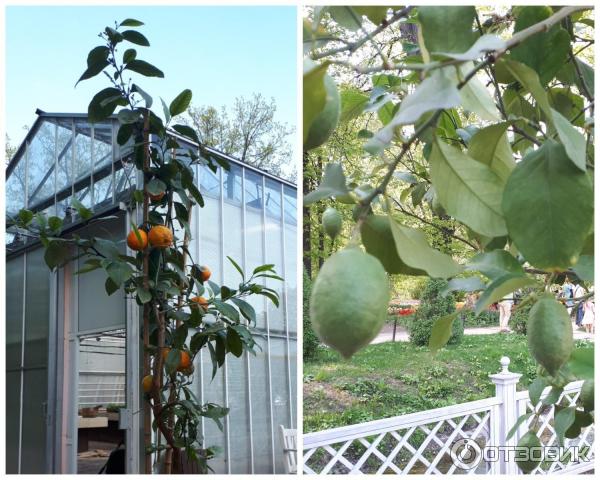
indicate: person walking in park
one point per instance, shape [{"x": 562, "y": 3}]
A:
[
  {"x": 589, "y": 315},
  {"x": 504, "y": 307},
  {"x": 578, "y": 292},
  {"x": 567, "y": 293}
]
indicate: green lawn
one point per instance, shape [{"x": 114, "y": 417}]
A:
[{"x": 396, "y": 378}]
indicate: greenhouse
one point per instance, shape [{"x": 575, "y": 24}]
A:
[{"x": 73, "y": 353}]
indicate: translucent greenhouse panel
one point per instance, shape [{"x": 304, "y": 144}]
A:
[
  {"x": 103, "y": 192},
  {"x": 96, "y": 309},
  {"x": 209, "y": 182},
  {"x": 209, "y": 234},
  {"x": 261, "y": 416},
  {"x": 239, "y": 415},
  {"x": 281, "y": 395},
  {"x": 274, "y": 251},
  {"x": 254, "y": 238},
  {"x": 65, "y": 155},
  {"x": 33, "y": 445},
  {"x": 103, "y": 151},
  {"x": 291, "y": 268},
  {"x": 232, "y": 213},
  {"x": 40, "y": 169},
  {"x": 232, "y": 185},
  {"x": 14, "y": 312},
  {"x": 37, "y": 310},
  {"x": 83, "y": 149},
  {"x": 12, "y": 416},
  {"x": 15, "y": 189}
]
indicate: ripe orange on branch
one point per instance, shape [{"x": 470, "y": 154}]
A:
[
  {"x": 156, "y": 198},
  {"x": 160, "y": 236},
  {"x": 147, "y": 383},
  {"x": 203, "y": 302},
  {"x": 136, "y": 243},
  {"x": 185, "y": 361},
  {"x": 204, "y": 273}
]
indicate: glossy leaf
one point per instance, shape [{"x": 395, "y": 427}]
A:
[
  {"x": 441, "y": 331},
  {"x": 333, "y": 184},
  {"x": 414, "y": 251},
  {"x": 536, "y": 388},
  {"x": 548, "y": 206},
  {"x": 98, "y": 112},
  {"x": 469, "y": 191},
  {"x": 147, "y": 98},
  {"x": 474, "y": 95},
  {"x": 135, "y": 37},
  {"x": 97, "y": 60},
  {"x": 353, "y": 104},
  {"x": 57, "y": 254},
  {"x": 490, "y": 146},
  {"x": 181, "y": 103},
  {"x": 131, "y": 22},
  {"x": 563, "y": 419},
  {"x": 572, "y": 139},
  {"x": 187, "y": 131},
  {"x": 530, "y": 80},
  {"x": 495, "y": 264},
  {"x": 110, "y": 286},
  {"x": 144, "y": 68},
  {"x": 447, "y": 29},
  {"x": 500, "y": 287}
]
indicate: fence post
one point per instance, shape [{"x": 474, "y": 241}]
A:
[{"x": 506, "y": 391}]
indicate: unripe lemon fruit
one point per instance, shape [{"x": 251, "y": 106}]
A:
[
  {"x": 349, "y": 300},
  {"x": 529, "y": 441},
  {"x": 136, "y": 243},
  {"x": 203, "y": 302},
  {"x": 332, "y": 222},
  {"x": 325, "y": 122},
  {"x": 160, "y": 236},
  {"x": 550, "y": 334},
  {"x": 147, "y": 383}
]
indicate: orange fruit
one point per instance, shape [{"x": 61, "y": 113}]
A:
[
  {"x": 147, "y": 383},
  {"x": 156, "y": 198},
  {"x": 204, "y": 273},
  {"x": 203, "y": 302},
  {"x": 133, "y": 241},
  {"x": 185, "y": 361},
  {"x": 160, "y": 236}
]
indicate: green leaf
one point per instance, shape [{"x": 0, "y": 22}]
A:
[
  {"x": 572, "y": 139},
  {"x": 156, "y": 187},
  {"x": 374, "y": 13},
  {"x": 490, "y": 146},
  {"x": 97, "y": 60},
  {"x": 314, "y": 94},
  {"x": 119, "y": 272},
  {"x": 107, "y": 248},
  {"x": 437, "y": 91},
  {"x": 127, "y": 116},
  {"x": 469, "y": 191},
  {"x": 447, "y": 29},
  {"x": 55, "y": 223},
  {"x": 529, "y": 79},
  {"x": 172, "y": 361},
  {"x": 147, "y": 98},
  {"x": 474, "y": 95},
  {"x": 89, "y": 266},
  {"x": 500, "y": 287},
  {"x": 236, "y": 266},
  {"x": 98, "y": 112},
  {"x": 181, "y": 103},
  {"x": 414, "y": 251},
  {"x": 333, "y": 184},
  {"x": 545, "y": 52},
  {"x": 353, "y": 104},
  {"x": 563, "y": 419},
  {"x": 234, "y": 342},
  {"x": 131, "y": 22},
  {"x": 495, "y": 264},
  {"x": 467, "y": 284},
  {"x": 271, "y": 296},
  {"x": 143, "y": 295},
  {"x": 144, "y": 68},
  {"x": 129, "y": 55},
  {"x": 135, "y": 37},
  {"x": 484, "y": 44},
  {"x": 110, "y": 286},
  {"x": 536, "y": 388},
  {"x": 517, "y": 424},
  {"x": 124, "y": 134},
  {"x": 441, "y": 331},
  {"x": 552, "y": 396},
  {"x": 548, "y": 204},
  {"x": 165, "y": 111},
  {"x": 187, "y": 132},
  {"x": 228, "y": 311},
  {"x": 25, "y": 217},
  {"x": 581, "y": 363},
  {"x": 584, "y": 268},
  {"x": 345, "y": 16},
  {"x": 246, "y": 309},
  {"x": 56, "y": 254},
  {"x": 376, "y": 235}
]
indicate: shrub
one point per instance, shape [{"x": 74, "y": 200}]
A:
[
  {"x": 488, "y": 318},
  {"x": 310, "y": 341},
  {"x": 433, "y": 306},
  {"x": 518, "y": 320}
]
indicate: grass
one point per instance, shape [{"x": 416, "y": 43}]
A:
[{"x": 391, "y": 379}]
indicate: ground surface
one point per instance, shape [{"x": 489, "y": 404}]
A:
[{"x": 394, "y": 378}]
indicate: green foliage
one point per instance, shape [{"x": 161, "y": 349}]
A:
[
  {"x": 310, "y": 341},
  {"x": 518, "y": 320},
  {"x": 433, "y": 306},
  {"x": 487, "y": 318}
]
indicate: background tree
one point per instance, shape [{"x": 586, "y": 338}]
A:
[{"x": 250, "y": 133}]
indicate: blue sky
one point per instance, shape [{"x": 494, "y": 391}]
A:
[{"x": 218, "y": 52}]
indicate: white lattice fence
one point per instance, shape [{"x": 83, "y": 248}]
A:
[
  {"x": 545, "y": 431},
  {"x": 422, "y": 442}
]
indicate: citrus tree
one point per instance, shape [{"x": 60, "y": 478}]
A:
[
  {"x": 183, "y": 310},
  {"x": 487, "y": 122}
]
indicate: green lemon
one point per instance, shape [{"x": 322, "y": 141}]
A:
[
  {"x": 332, "y": 222},
  {"x": 587, "y": 395},
  {"x": 349, "y": 300},
  {"x": 324, "y": 124},
  {"x": 550, "y": 334},
  {"x": 529, "y": 440}
]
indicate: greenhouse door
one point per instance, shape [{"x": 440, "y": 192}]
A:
[{"x": 96, "y": 397}]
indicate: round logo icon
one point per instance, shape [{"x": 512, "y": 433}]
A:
[{"x": 466, "y": 453}]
